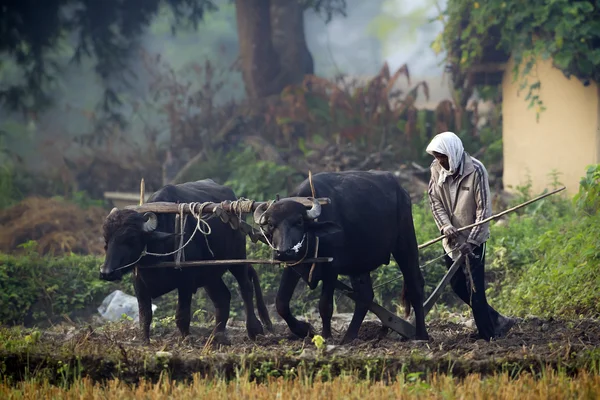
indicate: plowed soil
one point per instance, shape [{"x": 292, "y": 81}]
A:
[{"x": 111, "y": 350}]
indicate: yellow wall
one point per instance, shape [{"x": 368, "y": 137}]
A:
[{"x": 567, "y": 137}]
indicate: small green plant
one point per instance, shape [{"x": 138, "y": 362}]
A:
[
  {"x": 588, "y": 197},
  {"x": 257, "y": 179}
]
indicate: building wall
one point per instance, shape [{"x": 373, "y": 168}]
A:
[{"x": 567, "y": 137}]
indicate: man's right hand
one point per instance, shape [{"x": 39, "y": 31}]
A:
[{"x": 450, "y": 232}]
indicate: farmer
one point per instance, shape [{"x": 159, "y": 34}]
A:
[{"x": 459, "y": 195}]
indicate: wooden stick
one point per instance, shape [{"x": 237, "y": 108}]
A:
[
  {"x": 185, "y": 264},
  {"x": 173, "y": 208},
  {"x": 493, "y": 216},
  {"x": 142, "y": 192},
  {"x": 435, "y": 295}
]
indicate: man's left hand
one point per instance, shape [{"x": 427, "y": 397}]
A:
[{"x": 466, "y": 248}]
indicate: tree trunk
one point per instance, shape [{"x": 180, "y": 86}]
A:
[
  {"x": 273, "y": 48},
  {"x": 289, "y": 40}
]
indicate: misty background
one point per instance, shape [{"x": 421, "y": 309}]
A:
[{"x": 375, "y": 31}]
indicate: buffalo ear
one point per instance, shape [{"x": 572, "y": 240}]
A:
[
  {"x": 157, "y": 236},
  {"x": 324, "y": 228}
]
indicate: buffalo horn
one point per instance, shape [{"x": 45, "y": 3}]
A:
[
  {"x": 151, "y": 222},
  {"x": 315, "y": 210},
  {"x": 258, "y": 214},
  {"x": 114, "y": 210}
]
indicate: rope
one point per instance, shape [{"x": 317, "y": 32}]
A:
[
  {"x": 269, "y": 204},
  {"x": 182, "y": 220},
  {"x": 241, "y": 206}
]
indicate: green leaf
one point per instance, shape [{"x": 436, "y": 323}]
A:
[
  {"x": 563, "y": 59},
  {"x": 594, "y": 57},
  {"x": 585, "y": 66},
  {"x": 559, "y": 40}
]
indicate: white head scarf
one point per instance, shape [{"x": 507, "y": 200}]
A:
[{"x": 449, "y": 144}]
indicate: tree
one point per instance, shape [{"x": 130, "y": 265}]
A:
[
  {"x": 36, "y": 36},
  {"x": 566, "y": 31}
]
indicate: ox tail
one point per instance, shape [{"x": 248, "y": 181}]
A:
[
  {"x": 405, "y": 301},
  {"x": 263, "y": 313}
]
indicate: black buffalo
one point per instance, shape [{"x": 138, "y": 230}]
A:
[
  {"x": 370, "y": 216},
  {"x": 127, "y": 233}
]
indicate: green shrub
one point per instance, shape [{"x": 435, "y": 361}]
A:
[
  {"x": 588, "y": 198},
  {"x": 257, "y": 179},
  {"x": 34, "y": 288},
  {"x": 549, "y": 258}
]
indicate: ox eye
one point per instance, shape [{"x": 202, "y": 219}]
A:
[{"x": 300, "y": 221}]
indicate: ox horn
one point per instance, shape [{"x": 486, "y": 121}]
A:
[
  {"x": 114, "y": 210},
  {"x": 315, "y": 210},
  {"x": 151, "y": 223},
  {"x": 258, "y": 214}
]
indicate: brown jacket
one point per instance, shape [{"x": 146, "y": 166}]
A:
[{"x": 462, "y": 200}]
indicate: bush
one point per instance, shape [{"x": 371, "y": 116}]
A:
[
  {"x": 549, "y": 258},
  {"x": 36, "y": 288}
]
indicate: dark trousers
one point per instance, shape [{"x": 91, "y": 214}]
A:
[{"x": 486, "y": 318}]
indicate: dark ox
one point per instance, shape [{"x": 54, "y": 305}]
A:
[
  {"x": 127, "y": 233},
  {"x": 369, "y": 217}
]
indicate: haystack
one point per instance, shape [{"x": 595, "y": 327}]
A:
[{"x": 57, "y": 226}]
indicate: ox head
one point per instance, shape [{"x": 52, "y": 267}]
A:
[
  {"x": 126, "y": 234},
  {"x": 287, "y": 224}
]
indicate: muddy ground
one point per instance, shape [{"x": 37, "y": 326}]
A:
[{"x": 113, "y": 349}]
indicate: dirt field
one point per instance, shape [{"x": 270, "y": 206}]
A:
[{"x": 113, "y": 350}]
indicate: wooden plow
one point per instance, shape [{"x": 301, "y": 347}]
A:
[{"x": 231, "y": 212}]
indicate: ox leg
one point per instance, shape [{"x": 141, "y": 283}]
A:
[
  {"x": 287, "y": 285},
  {"x": 144, "y": 309},
  {"x": 407, "y": 258},
  {"x": 220, "y": 295},
  {"x": 363, "y": 287},
  {"x": 183, "y": 314},
  {"x": 253, "y": 325},
  {"x": 326, "y": 304}
]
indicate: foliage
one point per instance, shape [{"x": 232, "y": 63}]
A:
[
  {"x": 106, "y": 32},
  {"x": 36, "y": 288},
  {"x": 43, "y": 41},
  {"x": 313, "y": 382},
  {"x": 394, "y": 24},
  {"x": 566, "y": 31},
  {"x": 588, "y": 197},
  {"x": 257, "y": 179},
  {"x": 8, "y": 194},
  {"x": 375, "y": 115},
  {"x": 548, "y": 259}
]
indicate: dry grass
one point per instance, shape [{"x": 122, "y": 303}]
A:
[
  {"x": 552, "y": 385},
  {"x": 58, "y": 227}
]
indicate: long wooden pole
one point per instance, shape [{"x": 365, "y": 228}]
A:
[
  {"x": 493, "y": 216},
  {"x": 173, "y": 208},
  {"x": 203, "y": 263}
]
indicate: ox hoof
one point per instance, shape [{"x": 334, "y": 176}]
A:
[
  {"x": 254, "y": 329},
  {"x": 347, "y": 339},
  {"x": 303, "y": 329}
]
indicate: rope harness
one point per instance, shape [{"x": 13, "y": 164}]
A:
[{"x": 178, "y": 251}]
